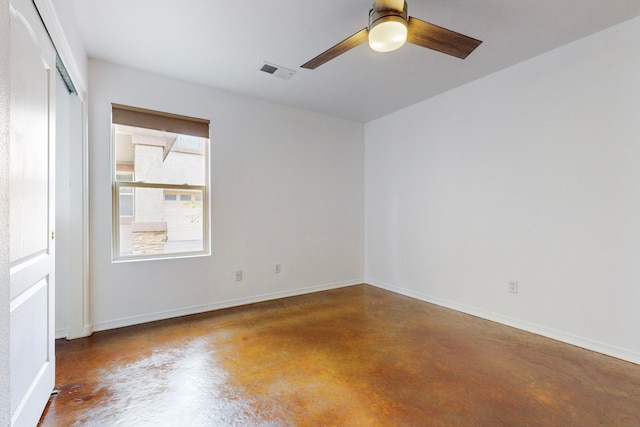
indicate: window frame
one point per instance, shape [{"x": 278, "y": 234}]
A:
[{"x": 116, "y": 185}]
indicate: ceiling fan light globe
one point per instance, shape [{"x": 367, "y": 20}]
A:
[{"x": 387, "y": 34}]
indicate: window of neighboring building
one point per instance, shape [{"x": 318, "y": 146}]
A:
[
  {"x": 190, "y": 144},
  {"x": 126, "y": 195},
  {"x": 160, "y": 185}
]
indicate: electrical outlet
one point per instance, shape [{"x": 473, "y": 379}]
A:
[
  {"x": 276, "y": 268},
  {"x": 238, "y": 275},
  {"x": 513, "y": 286}
]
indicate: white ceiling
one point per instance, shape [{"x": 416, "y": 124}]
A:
[{"x": 221, "y": 44}]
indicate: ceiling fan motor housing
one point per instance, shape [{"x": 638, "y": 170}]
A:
[{"x": 382, "y": 15}]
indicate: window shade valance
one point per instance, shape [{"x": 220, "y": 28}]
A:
[{"x": 158, "y": 120}]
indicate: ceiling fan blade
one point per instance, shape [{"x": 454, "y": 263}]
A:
[
  {"x": 396, "y": 5},
  {"x": 345, "y": 45},
  {"x": 437, "y": 38}
]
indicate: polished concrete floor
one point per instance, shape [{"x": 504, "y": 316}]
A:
[{"x": 357, "y": 356}]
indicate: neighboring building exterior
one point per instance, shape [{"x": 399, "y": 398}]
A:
[{"x": 159, "y": 220}]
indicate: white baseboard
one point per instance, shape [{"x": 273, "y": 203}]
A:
[
  {"x": 64, "y": 332},
  {"x": 609, "y": 350},
  {"x": 152, "y": 317}
]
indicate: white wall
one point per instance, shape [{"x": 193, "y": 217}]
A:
[
  {"x": 63, "y": 208},
  {"x": 287, "y": 187},
  {"x": 530, "y": 174},
  {"x": 69, "y": 221},
  {"x": 5, "y": 411}
]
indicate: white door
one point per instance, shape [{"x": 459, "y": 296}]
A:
[{"x": 31, "y": 219}]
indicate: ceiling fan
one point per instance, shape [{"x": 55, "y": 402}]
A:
[{"x": 390, "y": 26}]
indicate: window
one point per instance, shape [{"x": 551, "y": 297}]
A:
[
  {"x": 126, "y": 195},
  {"x": 190, "y": 143},
  {"x": 160, "y": 184}
]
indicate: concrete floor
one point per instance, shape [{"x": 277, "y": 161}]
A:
[{"x": 357, "y": 356}]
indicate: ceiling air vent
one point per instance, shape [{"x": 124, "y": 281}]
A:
[{"x": 276, "y": 70}]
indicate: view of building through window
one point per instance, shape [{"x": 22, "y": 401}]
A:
[{"x": 160, "y": 193}]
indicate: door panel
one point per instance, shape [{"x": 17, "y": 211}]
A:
[
  {"x": 24, "y": 274},
  {"x": 31, "y": 197},
  {"x": 28, "y": 313},
  {"x": 29, "y": 145}
]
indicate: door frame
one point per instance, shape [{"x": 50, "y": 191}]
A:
[{"x": 80, "y": 322}]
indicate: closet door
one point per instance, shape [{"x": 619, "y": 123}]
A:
[{"x": 31, "y": 220}]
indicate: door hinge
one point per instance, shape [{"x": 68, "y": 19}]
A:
[{"x": 52, "y": 235}]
